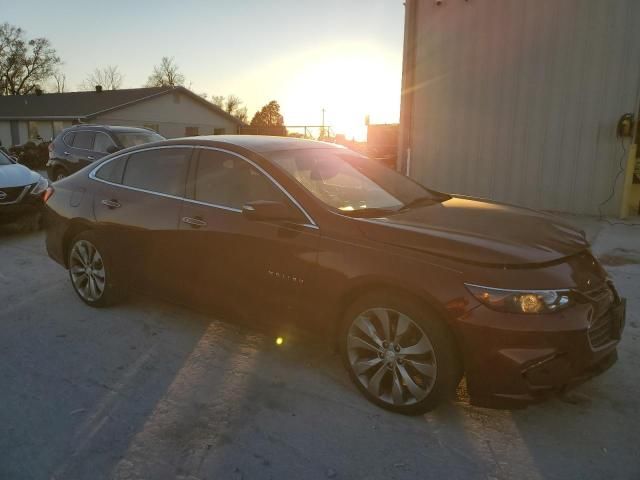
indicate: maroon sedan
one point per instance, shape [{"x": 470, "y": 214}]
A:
[{"x": 417, "y": 287}]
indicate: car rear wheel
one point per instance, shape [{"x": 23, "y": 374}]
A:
[
  {"x": 91, "y": 271},
  {"x": 398, "y": 353}
]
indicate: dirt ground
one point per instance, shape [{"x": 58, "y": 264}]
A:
[{"x": 151, "y": 390}]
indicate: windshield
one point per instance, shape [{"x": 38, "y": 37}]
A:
[
  {"x": 352, "y": 183},
  {"x": 131, "y": 139},
  {"x": 4, "y": 160}
]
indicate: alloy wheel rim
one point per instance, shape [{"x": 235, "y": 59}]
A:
[
  {"x": 391, "y": 356},
  {"x": 87, "y": 270}
]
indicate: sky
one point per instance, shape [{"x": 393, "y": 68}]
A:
[{"x": 343, "y": 56}]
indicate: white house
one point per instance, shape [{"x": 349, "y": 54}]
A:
[
  {"x": 171, "y": 111},
  {"x": 520, "y": 101}
]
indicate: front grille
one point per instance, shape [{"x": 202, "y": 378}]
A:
[
  {"x": 601, "y": 331},
  {"x": 602, "y": 299},
  {"x": 12, "y": 194}
]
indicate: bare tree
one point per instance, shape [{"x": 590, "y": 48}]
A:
[
  {"x": 60, "y": 80},
  {"x": 232, "y": 104},
  {"x": 166, "y": 74},
  {"x": 108, "y": 77},
  {"x": 24, "y": 64},
  {"x": 218, "y": 100}
]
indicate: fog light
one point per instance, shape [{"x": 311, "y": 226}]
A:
[{"x": 279, "y": 341}]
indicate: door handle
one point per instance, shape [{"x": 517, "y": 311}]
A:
[
  {"x": 90, "y": 157},
  {"x": 67, "y": 153},
  {"x": 194, "y": 222},
  {"x": 111, "y": 203}
]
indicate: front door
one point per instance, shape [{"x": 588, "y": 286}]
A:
[{"x": 262, "y": 270}]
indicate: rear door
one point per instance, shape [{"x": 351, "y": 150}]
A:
[
  {"x": 137, "y": 205},
  {"x": 80, "y": 152},
  {"x": 256, "y": 268}
]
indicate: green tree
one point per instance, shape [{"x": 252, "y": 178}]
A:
[
  {"x": 268, "y": 116},
  {"x": 167, "y": 74},
  {"x": 24, "y": 64}
]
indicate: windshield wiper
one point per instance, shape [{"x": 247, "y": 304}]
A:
[
  {"x": 418, "y": 202},
  {"x": 368, "y": 212}
]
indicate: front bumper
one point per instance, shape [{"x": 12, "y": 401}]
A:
[
  {"x": 512, "y": 359},
  {"x": 29, "y": 205}
]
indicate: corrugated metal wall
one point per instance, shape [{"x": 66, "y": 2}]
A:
[{"x": 518, "y": 100}]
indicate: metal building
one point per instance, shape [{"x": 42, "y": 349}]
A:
[{"x": 520, "y": 100}]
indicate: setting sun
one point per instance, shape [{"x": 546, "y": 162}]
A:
[{"x": 349, "y": 81}]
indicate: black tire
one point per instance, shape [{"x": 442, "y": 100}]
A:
[
  {"x": 112, "y": 291},
  {"x": 443, "y": 353}
]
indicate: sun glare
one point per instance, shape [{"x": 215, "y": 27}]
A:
[{"x": 349, "y": 81}]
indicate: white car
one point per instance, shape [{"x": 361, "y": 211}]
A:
[{"x": 22, "y": 191}]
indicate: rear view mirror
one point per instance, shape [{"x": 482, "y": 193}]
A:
[{"x": 268, "y": 210}]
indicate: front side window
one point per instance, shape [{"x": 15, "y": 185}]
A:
[
  {"x": 161, "y": 170},
  {"x": 227, "y": 180},
  {"x": 83, "y": 140},
  {"x": 349, "y": 182},
  {"x": 102, "y": 143}
]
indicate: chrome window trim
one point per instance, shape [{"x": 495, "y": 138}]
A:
[{"x": 92, "y": 176}]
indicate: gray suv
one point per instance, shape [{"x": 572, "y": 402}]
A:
[{"x": 77, "y": 146}]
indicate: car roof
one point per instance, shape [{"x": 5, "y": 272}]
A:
[
  {"x": 256, "y": 143},
  {"x": 110, "y": 128}
]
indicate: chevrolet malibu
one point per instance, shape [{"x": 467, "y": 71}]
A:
[{"x": 417, "y": 288}]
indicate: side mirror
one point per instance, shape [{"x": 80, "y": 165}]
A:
[
  {"x": 112, "y": 149},
  {"x": 268, "y": 210},
  {"x": 14, "y": 158}
]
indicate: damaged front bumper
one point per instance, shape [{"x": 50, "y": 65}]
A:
[{"x": 511, "y": 361}]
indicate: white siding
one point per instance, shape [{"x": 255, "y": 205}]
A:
[
  {"x": 518, "y": 100},
  {"x": 5, "y": 133},
  {"x": 173, "y": 113}
]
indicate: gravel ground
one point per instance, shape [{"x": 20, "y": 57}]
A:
[{"x": 152, "y": 390}]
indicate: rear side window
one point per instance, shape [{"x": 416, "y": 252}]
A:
[
  {"x": 112, "y": 171},
  {"x": 83, "y": 140},
  {"x": 68, "y": 138},
  {"x": 162, "y": 170}
]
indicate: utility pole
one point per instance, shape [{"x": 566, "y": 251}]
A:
[{"x": 322, "y": 132}]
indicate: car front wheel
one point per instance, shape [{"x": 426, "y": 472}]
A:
[
  {"x": 398, "y": 353},
  {"x": 91, "y": 271}
]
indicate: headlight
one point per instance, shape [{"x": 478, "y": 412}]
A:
[
  {"x": 522, "y": 301},
  {"x": 40, "y": 187}
]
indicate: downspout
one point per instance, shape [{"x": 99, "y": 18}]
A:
[{"x": 408, "y": 81}]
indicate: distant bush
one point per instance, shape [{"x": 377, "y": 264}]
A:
[{"x": 32, "y": 155}]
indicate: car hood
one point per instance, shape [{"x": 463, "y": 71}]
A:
[
  {"x": 16, "y": 176},
  {"x": 481, "y": 232}
]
